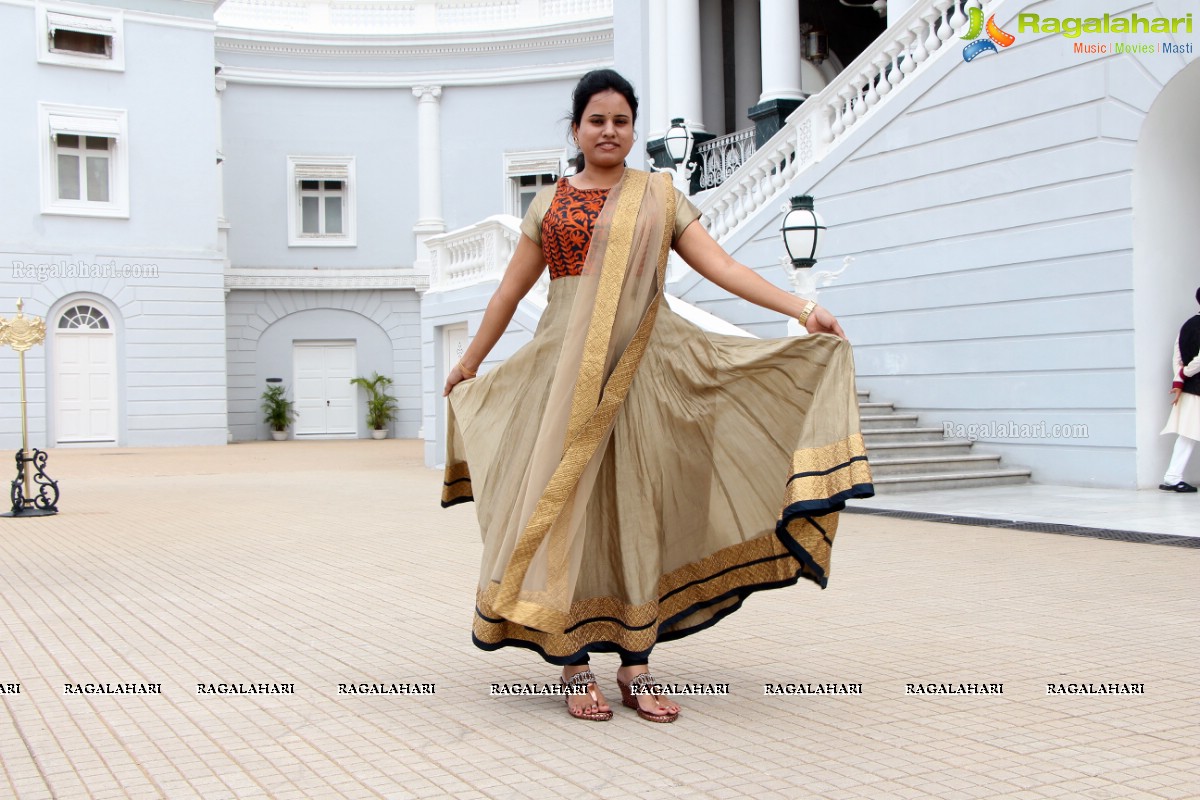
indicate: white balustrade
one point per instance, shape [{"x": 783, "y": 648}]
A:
[
  {"x": 380, "y": 17},
  {"x": 720, "y": 157},
  {"x": 474, "y": 254},
  {"x": 372, "y": 16},
  {"x": 926, "y": 31}
]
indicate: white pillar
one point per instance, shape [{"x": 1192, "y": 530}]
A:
[
  {"x": 747, "y": 66},
  {"x": 781, "y": 50},
  {"x": 684, "y": 63},
  {"x": 658, "y": 116},
  {"x": 429, "y": 169},
  {"x": 222, "y": 223},
  {"x": 712, "y": 70}
]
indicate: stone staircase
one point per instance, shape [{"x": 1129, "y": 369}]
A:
[{"x": 906, "y": 457}]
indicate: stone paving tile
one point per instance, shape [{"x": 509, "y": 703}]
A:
[{"x": 324, "y": 563}]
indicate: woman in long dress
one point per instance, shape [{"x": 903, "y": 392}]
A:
[{"x": 635, "y": 477}]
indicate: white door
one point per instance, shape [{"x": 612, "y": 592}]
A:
[
  {"x": 325, "y": 398},
  {"x": 85, "y": 377},
  {"x": 454, "y": 344}
]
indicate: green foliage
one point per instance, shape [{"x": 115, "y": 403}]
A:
[
  {"x": 381, "y": 405},
  {"x": 278, "y": 411}
]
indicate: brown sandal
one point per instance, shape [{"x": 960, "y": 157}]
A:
[
  {"x": 585, "y": 678},
  {"x": 644, "y": 683}
]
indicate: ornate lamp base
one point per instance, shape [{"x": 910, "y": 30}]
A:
[{"x": 42, "y": 504}]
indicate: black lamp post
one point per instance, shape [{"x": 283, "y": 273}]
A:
[{"x": 801, "y": 231}]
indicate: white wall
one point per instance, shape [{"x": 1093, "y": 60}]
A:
[
  {"x": 264, "y": 323},
  {"x": 170, "y": 345},
  {"x": 989, "y": 206}
]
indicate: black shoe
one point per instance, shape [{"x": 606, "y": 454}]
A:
[{"x": 1181, "y": 487}]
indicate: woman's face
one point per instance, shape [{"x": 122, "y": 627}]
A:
[{"x": 605, "y": 134}]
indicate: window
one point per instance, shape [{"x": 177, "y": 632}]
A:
[
  {"x": 78, "y": 37},
  {"x": 83, "y": 317},
  {"x": 527, "y": 188},
  {"x": 84, "y": 162},
  {"x": 321, "y": 202},
  {"x": 83, "y": 165},
  {"x": 525, "y": 174}
]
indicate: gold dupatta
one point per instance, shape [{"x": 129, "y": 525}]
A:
[{"x": 536, "y": 560}]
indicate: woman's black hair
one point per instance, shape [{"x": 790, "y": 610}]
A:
[{"x": 591, "y": 84}]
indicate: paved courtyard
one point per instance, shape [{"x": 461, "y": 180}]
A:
[{"x": 305, "y": 565}]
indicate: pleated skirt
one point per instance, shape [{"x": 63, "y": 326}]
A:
[{"x": 723, "y": 476}]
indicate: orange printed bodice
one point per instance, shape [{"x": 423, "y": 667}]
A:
[{"x": 567, "y": 227}]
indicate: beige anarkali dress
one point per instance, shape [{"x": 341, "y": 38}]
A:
[{"x": 635, "y": 477}]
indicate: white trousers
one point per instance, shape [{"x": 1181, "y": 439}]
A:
[{"x": 1179, "y": 459}]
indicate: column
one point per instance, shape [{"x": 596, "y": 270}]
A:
[
  {"x": 658, "y": 117},
  {"x": 782, "y": 93},
  {"x": 429, "y": 169},
  {"x": 712, "y": 68},
  {"x": 781, "y": 50},
  {"x": 683, "y": 63},
  {"x": 747, "y": 64},
  {"x": 222, "y": 223}
]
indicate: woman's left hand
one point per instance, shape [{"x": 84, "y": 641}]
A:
[{"x": 821, "y": 321}]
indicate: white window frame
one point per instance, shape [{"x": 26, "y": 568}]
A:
[
  {"x": 322, "y": 168},
  {"x": 111, "y": 123},
  {"x": 518, "y": 163},
  {"x": 85, "y": 19}
]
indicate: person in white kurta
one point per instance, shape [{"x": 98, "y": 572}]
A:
[{"x": 1184, "y": 420}]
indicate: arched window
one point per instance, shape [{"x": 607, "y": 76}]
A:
[{"x": 83, "y": 317}]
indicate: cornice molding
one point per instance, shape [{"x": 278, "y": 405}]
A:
[
  {"x": 401, "y": 80},
  {"x": 424, "y": 45},
  {"x": 300, "y": 278}
]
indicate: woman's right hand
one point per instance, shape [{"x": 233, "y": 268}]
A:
[{"x": 455, "y": 377}]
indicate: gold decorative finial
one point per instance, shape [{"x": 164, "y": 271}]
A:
[{"x": 22, "y": 332}]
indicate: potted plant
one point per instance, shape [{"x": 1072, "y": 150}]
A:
[
  {"x": 278, "y": 411},
  {"x": 381, "y": 405}
]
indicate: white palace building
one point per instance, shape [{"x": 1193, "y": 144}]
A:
[{"x": 199, "y": 196}]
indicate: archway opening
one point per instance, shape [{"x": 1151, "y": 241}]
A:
[{"x": 1166, "y": 257}]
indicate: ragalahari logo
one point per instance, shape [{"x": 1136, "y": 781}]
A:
[{"x": 979, "y": 46}]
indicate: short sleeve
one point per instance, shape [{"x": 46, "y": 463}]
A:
[
  {"x": 531, "y": 225},
  {"x": 685, "y": 214}
]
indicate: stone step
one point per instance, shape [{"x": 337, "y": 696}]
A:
[
  {"x": 907, "y": 434},
  {"x": 875, "y": 408},
  {"x": 891, "y": 484},
  {"x": 875, "y": 422},
  {"x": 919, "y": 465},
  {"x": 917, "y": 449}
]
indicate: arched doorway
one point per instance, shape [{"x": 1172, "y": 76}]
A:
[
  {"x": 1166, "y": 256},
  {"x": 85, "y": 376}
]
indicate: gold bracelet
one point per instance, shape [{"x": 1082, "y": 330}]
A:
[
  {"x": 467, "y": 373},
  {"x": 808, "y": 309}
]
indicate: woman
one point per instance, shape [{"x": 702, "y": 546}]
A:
[{"x": 628, "y": 468}]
